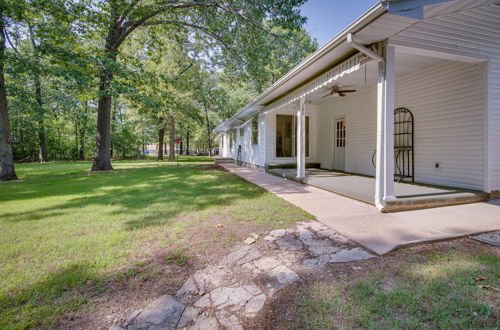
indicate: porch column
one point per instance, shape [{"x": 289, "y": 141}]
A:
[
  {"x": 301, "y": 139},
  {"x": 384, "y": 179}
]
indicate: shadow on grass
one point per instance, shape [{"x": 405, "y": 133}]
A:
[
  {"x": 51, "y": 217},
  {"x": 146, "y": 197},
  {"x": 61, "y": 292}
]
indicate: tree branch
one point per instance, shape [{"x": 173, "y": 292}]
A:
[
  {"x": 184, "y": 71},
  {"x": 10, "y": 42},
  {"x": 244, "y": 17},
  {"x": 201, "y": 28}
]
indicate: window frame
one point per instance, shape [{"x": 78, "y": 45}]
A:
[
  {"x": 294, "y": 136},
  {"x": 255, "y": 130}
]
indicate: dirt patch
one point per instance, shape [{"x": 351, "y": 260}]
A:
[
  {"x": 163, "y": 272},
  {"x": 212, "y": 167}
]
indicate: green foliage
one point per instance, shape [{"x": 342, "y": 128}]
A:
[{"x": 199, "y": 63}]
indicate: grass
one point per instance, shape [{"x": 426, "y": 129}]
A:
[
  {"x": 66, "y": 232},
  {"x": 177, "y": 257},
  {"x": 438, "y": 291}
]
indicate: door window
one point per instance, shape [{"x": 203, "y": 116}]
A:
[{"x": 340, "y": 134}]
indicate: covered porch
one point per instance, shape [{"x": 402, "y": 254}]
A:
[
  {"x": 403, "y": 128},
  {"x": 407, "y": 196}
]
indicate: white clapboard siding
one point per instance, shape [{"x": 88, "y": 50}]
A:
[
  {"x": 474, "y": 33},
  {"x": 250, "y": 153},
  {"x": 360, "y": 111},
  {"x": 447, "y": 102}
]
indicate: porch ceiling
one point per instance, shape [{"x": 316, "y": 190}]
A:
[{"x": 366, "y": 76}]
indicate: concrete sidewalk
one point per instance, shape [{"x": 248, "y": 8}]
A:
[{"x": 379, "y": 232}]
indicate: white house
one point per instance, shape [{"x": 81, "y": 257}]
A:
[{"x": 410, "y": 89}]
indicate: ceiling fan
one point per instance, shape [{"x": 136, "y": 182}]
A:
[{"x": 336, "y": 91}]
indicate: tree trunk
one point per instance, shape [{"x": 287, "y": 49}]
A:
[
  {"x": 171, "y": 153},
  {"x": 181, "y": 146},
  {"x": 7, "y": 171},
  {"x": 42, "y": 147},
  {"x": 113, "y": 128},
  {"x": 187, "y": 143},
  {"x": 83, "y": 129},
  {"x": 209, "y": 133},
  {"x": 161, "y": 135},
  {"x": 77, "y": 143},
  {"x": 102, "y": 159}
]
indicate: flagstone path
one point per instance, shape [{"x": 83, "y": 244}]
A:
[{"x": 223, "y": 295}]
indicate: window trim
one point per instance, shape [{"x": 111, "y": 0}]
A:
[
  {"x": 255, "y": 130},
  {"x": 294, "y": 136}
]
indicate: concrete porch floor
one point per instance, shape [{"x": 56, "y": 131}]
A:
[
  {"x": 379, "y": 232},
  {"x": 409, "y": 196}
]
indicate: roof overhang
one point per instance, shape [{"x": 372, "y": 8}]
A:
[{"x": 382, "y": 21}]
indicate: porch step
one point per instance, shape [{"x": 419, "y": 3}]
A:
[
  {"x": 271, "y": 166},
  {"x": 405, "y": 203},
  {"x": 223, "y": 160}
]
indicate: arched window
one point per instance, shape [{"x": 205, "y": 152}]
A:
[{"x": 403, "y": 145}]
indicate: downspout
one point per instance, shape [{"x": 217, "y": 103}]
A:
[
  {"x": 365, "y": 50},
  {"x": 379, "y": 203}
]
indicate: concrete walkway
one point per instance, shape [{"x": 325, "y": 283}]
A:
[{"x": 379, "y": 232}]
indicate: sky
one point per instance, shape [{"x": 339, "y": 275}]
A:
[{"x": 326, "y": 18}]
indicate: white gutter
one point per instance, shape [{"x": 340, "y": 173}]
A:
[{"x": 367, "y": 51}]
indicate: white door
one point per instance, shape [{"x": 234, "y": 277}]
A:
[{"x": 339, "y": 144}]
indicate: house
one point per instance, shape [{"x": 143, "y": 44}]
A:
[{"x": 410, "y": 91}]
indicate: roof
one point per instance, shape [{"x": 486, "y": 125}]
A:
[{"x": 380, "y": 22}]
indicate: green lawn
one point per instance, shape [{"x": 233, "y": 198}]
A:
[
  {"x": 65, "y": 232},
  {"x": 431, "y": 289}
]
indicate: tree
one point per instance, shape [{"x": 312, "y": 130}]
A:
[
  {"x": 7, "y": 171},
  {"x": 225, "y": 26}
]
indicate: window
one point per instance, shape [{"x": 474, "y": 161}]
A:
[
  {"x": 286, "y": 141},
  {"x": 284, "y": 135},
  {"x": 232, "y": 138},
  {"x": 255, "y": 131},
  {"x": 242, "y": 131}
]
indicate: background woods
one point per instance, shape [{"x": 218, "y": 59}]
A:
[{"x": 96, "y": 79}]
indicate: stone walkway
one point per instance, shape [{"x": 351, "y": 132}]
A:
[
  {"x": 492, "y": 238},
  {"x": 224, "y": 295}
]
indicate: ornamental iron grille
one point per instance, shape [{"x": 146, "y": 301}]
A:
[{"x": 403, "y": 145}]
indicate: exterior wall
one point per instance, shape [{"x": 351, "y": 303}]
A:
[
  {"x": 474, "y": 33},
  {"x": 447, "y": 102},
  {"x": 359, "y": 111},
  {"x": 270, "y": 146},
  {"x": 224, "y": 150},
  {"x": 250, "y": 153}
]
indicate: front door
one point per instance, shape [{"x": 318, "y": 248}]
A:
[{"x": 339, "y": 144}]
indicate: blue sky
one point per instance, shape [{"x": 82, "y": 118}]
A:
[{"x": 326, "y": 18}]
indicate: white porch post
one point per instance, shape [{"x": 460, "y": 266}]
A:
[
  {"x": 384, "y": 179},
  {"x": 301, "y": 137}
]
